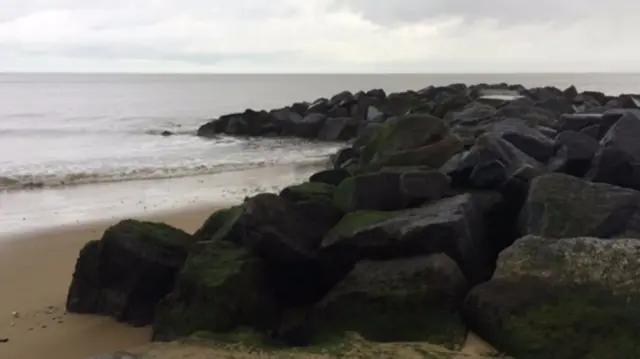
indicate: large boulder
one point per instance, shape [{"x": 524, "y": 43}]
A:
[
  {"x": 618, "y": 161},
  {"x": 524, "y": 137},
  {"x": 126, "y": 273},
  {"x": 272, "y": 225},
  {"x": 407, "y": 299},
  {"x": 560, "y": 205},
  {"x": 404, "y": 133},
  {"x": 569, "y": 298},
  {"x": 574, "y": 152},
  {"x": 339, "y": 129},
  {"x": 491, "y": 163},
  {"x": 457, "y": 226},
  {"x": 390, "y": 189},
  {"x": 222, "y": 287}
]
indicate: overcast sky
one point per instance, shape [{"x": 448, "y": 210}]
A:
[{"x": 319, "y": 35}]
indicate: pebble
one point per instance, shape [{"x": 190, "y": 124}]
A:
[{"x": 15, "y": 314}]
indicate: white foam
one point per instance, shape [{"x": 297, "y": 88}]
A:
[{"x": 25, "y": 211}]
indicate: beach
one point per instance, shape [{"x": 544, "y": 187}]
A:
[{"x": 44, "y": 230}]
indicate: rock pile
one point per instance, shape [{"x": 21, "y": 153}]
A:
[{"x": 512, "y": 212}]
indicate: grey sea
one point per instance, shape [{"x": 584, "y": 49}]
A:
[{"x": 91, "y": 144}]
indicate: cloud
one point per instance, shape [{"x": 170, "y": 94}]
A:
[{"x": 318, "y": 35}]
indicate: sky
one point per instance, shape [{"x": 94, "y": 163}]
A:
[{"x": 325, "y": 36}]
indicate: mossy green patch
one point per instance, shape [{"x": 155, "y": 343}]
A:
[
  {"x": 219, "y": 224},
  {"x": 309, "y": 191},
  {"x": 344, "y": 194},
  {"x": 359, "y": 219},
  {"x": 407, "y": 132},
  {"x": 220, "y": 288},
  {"x": 579, "y": 324},
  {"x": 158, "y": 234}
]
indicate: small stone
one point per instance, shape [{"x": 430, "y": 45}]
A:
[
  {"x": 4, "y": 340},
  {"x": 15, "y": 314}
]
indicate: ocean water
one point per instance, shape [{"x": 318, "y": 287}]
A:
[{"x": 63, "y": 131}]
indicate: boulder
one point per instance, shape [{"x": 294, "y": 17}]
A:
[
  {"x": 406, "y": 141},
  {"x": 275, "y": 228},
  {"x": 578, "y": 121},
  {"x": 427, "y": 185},
  {"x": 574, "y": 152},
  {"x": 525, "y": 138},
  {"x": 614, "y": 166},
  {"x": 447, "y": 103},
  {"x": 456, "y": 226},
  {"x": 407, "y": 299},
  {"x": 568, "y": 298},
  {"x": 309, "y": 126},
  {"x": 339, "y": 129},
  {"x": 398, "y": 104},
  {"x": 490, "y": 164},
  {"x": 126, "y": 273},
  {"x": 309, "y": 191},
  {"x": 332, "y": 176},
  {"x": 320, "y": 105},
  {"x": 390, "y": 189},
  {"x": 560, "y": 205},
  {"x": 219, "y": 224},
  {"x": 222, "y": 287},
  {"x": 526, "y": 110}
]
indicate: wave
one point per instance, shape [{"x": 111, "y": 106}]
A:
[
  {"x": 38, "y": 181},
  {"x": 191, "y": 131}
]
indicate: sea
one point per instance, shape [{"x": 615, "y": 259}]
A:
[{"x": 89, "y": 146}]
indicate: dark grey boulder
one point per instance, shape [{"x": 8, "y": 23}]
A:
[
  {"x": 548, "y": 297},
  {"x": 126, "y": 273},
  {"x": 524, "y": 137},
  {"x": 490, "y": 163},
  {"x": 457, "y": 226},
  {"x": 339, "y": 129},
  {"x": 574, "y": 152},
  {"x": 406, "y": 299},
  {"x": 560, "y": 205},
  {"x": 309, "y": 126}
]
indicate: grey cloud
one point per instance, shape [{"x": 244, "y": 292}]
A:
[{"x": 506, "y": 12}]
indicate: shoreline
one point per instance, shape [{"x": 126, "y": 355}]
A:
[
  {"x": 35, "y": 272},
  {"x": 34, "y": 211}
]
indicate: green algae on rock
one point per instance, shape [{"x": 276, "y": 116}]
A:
[
  {"x": 219, "y": 289},
  {"x": 560, "y": 205},
  {"x": 219, "y": 224},
  {"x": 408, "y": 299},
  {"x": 309, "y": 191},
  {"x": 127, "y": 271},
  {"x": 561, "y": 298},
  {"x": 404, "y": 133}
]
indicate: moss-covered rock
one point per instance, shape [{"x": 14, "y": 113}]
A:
[
  {"x": 404, "y": 133},
  {"x": 309, "y": 191},
  {"x": 356, "y": 220},
  {"x": 458, "y": 226},
  {"x": 568, "y": 298},
  {"x": 218, "y": 226},
  {"x": 410, "y": 299},
  {"x": 560, "y": 205},
  {"x": 221, "y": 288},
  {"x": 373, "y": 191},
  {"x": 126, "y": 272},
  {"x": 433, "y": 155}
]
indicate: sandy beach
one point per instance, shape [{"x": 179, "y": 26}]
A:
[{"x": 35, "y": 271}]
